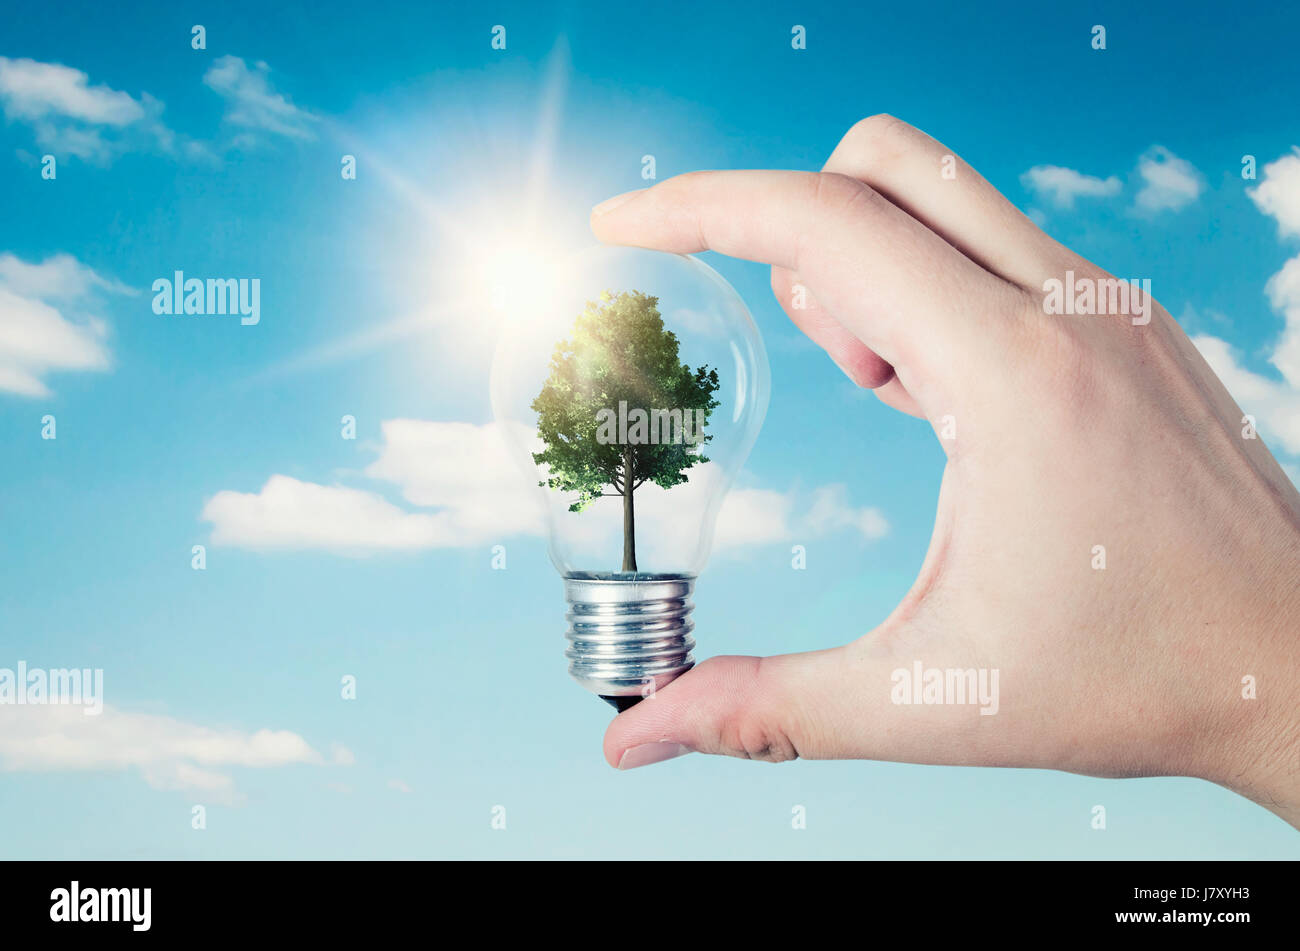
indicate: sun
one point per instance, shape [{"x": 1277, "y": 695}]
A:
[
  {"x": 485, "y": 235},
  {"x": 513, "y": 275}
]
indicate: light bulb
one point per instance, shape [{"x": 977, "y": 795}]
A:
[{"x": 630, "y": 389}]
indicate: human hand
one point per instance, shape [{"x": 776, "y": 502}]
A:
[{"x": 1062, "y": 433}]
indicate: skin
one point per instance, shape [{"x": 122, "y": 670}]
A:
[{"x": 1071, "y": 432}]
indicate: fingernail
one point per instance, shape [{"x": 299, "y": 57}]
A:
[
  {"x": 609, "y": 204},
  {"x": 648, "y": 753}
]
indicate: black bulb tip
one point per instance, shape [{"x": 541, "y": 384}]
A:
[{"x": 621, "y": 703}]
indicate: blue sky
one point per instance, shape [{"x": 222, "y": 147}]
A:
[{"x": 329, "y": 557}]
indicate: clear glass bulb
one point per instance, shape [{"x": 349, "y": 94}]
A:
[{"x": 631, "y": 389}]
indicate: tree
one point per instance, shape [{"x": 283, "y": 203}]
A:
[{"x": 621, "y": 364}]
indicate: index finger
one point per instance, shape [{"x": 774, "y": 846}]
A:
[{"x": 895, "y": 284}]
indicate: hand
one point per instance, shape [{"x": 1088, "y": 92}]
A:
[{"x": 1062, "y": 433}]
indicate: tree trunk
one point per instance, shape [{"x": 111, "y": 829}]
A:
[{"x": 629, "y": 517}]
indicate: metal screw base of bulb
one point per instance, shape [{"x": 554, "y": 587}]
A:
[{"x": 627, "y": 631}]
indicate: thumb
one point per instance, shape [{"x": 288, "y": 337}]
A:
[{"x": 764, "y": 708}]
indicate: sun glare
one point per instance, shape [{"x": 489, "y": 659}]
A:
[
  {"x": 492, "y": 226},
  {"x": 514, "y": 276}
]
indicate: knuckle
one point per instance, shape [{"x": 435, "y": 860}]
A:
[
  {"x": 677, "y": 204},
  {"x": 835, "y": 192},
  {"x": 754, "y": 729},
  {"x": 878, "y": 125},
  {"x": 831, "y": 197},
  {"x": 747, "y": 737},
  {"x": 764, "y": 742},
  {"x": 679, "y": 187},
  {"x": 880, "y": 136}
]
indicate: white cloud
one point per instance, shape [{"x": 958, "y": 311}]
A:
[
  {"x": 36, "y": 336},
  {"x": 1278, "y": 193},
  {"x": 399, "y": 786},
  {"x": 169, "y": 754},
  {"x": 1061, "y": 186},
  {"x": 748, "y": 517},
  {"x": 60, "y": 277},
  {"x": 463, "y": 469},
  {"x": 1275, "y": 404},
  {"x": 1169, "y": 182},
  {"x": 33, "y": 90},
  {"x": 1283, "y": 290},
  {"x": 751, "y": 516},
  {"x": 252, "y": 103},
  {"x": 669, "y": 522},
  {"x": 70, "y": 116},
  {"x": 831, "y": 511},
  {"x": 709, "y": 322},
  {"x": 480, "y": 496},
  {"x": 756, "y": 516},
  {"x": 290, "y": 514}
]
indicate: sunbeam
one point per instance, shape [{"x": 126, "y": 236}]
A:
[{"x": 491, "y": 230}]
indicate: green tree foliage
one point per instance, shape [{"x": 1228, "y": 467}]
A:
[{"x": 618, "y": 353}]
